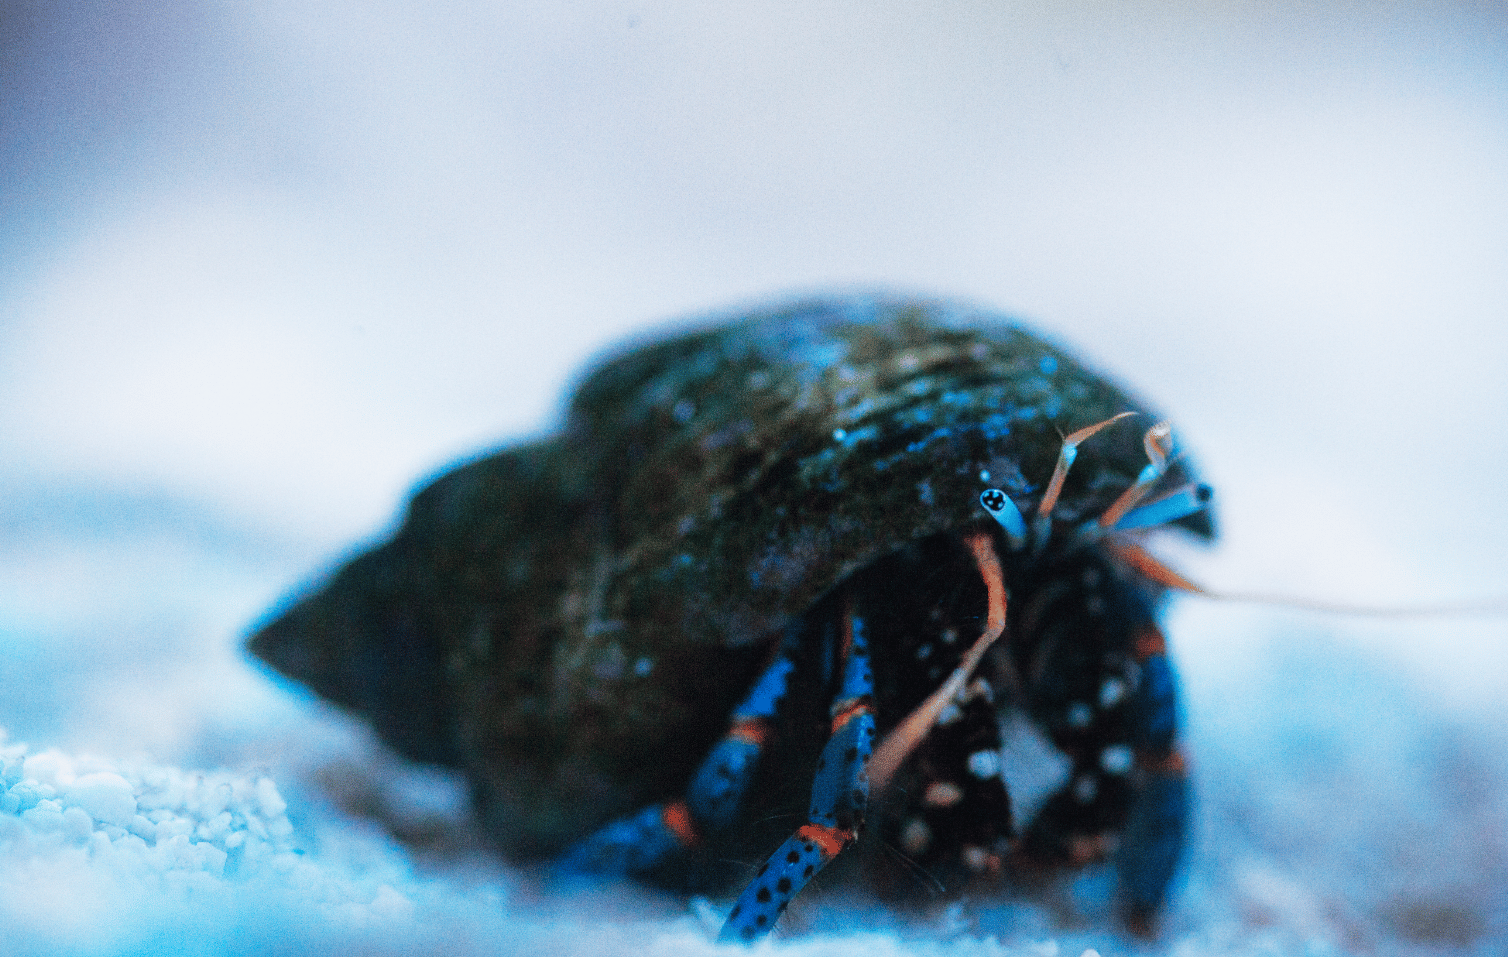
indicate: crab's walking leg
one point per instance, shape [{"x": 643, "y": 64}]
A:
[
  {"x": 638, "y": 844},
  {"x": 840, "y": 794},
  {"x": 1105, "y": 694},
  {"x": 1154, "y": 837}
]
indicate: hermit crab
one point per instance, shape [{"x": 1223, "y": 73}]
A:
[{"x": 779, "y": 593}]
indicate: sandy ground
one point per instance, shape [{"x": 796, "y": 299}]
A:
[{"x": 166, "y": 796}]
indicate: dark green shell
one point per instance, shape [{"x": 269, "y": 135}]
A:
[{"x": 572, "y": 620}]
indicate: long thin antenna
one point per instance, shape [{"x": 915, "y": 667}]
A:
[{"x": 1154, "y": 570}]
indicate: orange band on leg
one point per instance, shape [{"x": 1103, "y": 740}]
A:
[
  {"x": 830, "y": 840},
  {"x": 1148, "y": 642},
  {"x": 753, "y": 730},
  {"x": 849, "y": 712},
  {"x": 677, "y": 820},
  {"x": 1171, "y": 764}
]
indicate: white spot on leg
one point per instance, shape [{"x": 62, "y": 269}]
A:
[
  {"x": 975, "y": 858},
  {"x": 1079, "y": 715},
  {"x": 916, "y": 836},
  {"x": 942, "y": 794},
  {"x": 949, "y": 715},
  {"x": 984, "y": 764},
  {"x": 1031, "y": 767},
  {"x": 1116, "y": 759},
  {"x": 1112, "y": 692},
  {"x": 1085, "y": 788}
]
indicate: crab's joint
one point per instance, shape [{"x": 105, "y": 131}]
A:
[
  {"x": 840, "y": 797},
  {"x": 752, "y": 731},
  {"x": 714, "y": 798},
  {"x": 782, "y": 877},
  {"x": 677, "y": 820},
  {"x": 850, "y": 712},
  {"x": 829, "y": 840}
]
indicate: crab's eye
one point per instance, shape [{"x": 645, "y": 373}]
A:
[{"x": 1004, "y": 511}]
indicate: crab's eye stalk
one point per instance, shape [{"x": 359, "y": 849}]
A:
[
  {"x": 1181, "y": 504},
  {"x": 1004, "y": 511}
]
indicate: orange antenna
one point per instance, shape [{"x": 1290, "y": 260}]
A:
[
  {"x": 1154, "y": 570},
  {"x": 1158, "y": 441},
  {"x": 1066, "y": 455},
  {"x": 904, "y": 737}
]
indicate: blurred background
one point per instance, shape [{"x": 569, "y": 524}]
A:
[{"x": 263, "y": 267}]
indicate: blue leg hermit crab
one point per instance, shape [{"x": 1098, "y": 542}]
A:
[{"x": 775, "y": 593}]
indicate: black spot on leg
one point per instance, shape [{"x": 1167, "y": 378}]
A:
[
  {"x": 762, "y": 868},
  {"x": 792, "y": 857},
  {"x": 733, "y": 914},
  {"x": 763, "y": 896},
  {"x": 808, "y": 871},
  {"x": 784, "y": 885}
]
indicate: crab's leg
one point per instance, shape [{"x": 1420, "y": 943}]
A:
[
  {"x": 1107, "y": 697},
  {"x": 1154, "y": 837},
  {"x": 644, "y": 841},
  {"x": 840, "y": 794}
]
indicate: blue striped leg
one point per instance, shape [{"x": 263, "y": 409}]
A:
[
  {"x": 637, "y": 845},
  {"x": 840, "y": 793}
]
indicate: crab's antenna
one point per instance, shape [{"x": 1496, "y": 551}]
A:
[
  {"x": 1158, "y": 441},
  {"x": 1066, "y": 455},
  {"x": 904, "y": 737},
  {"x": 1154, "y": 570}
]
